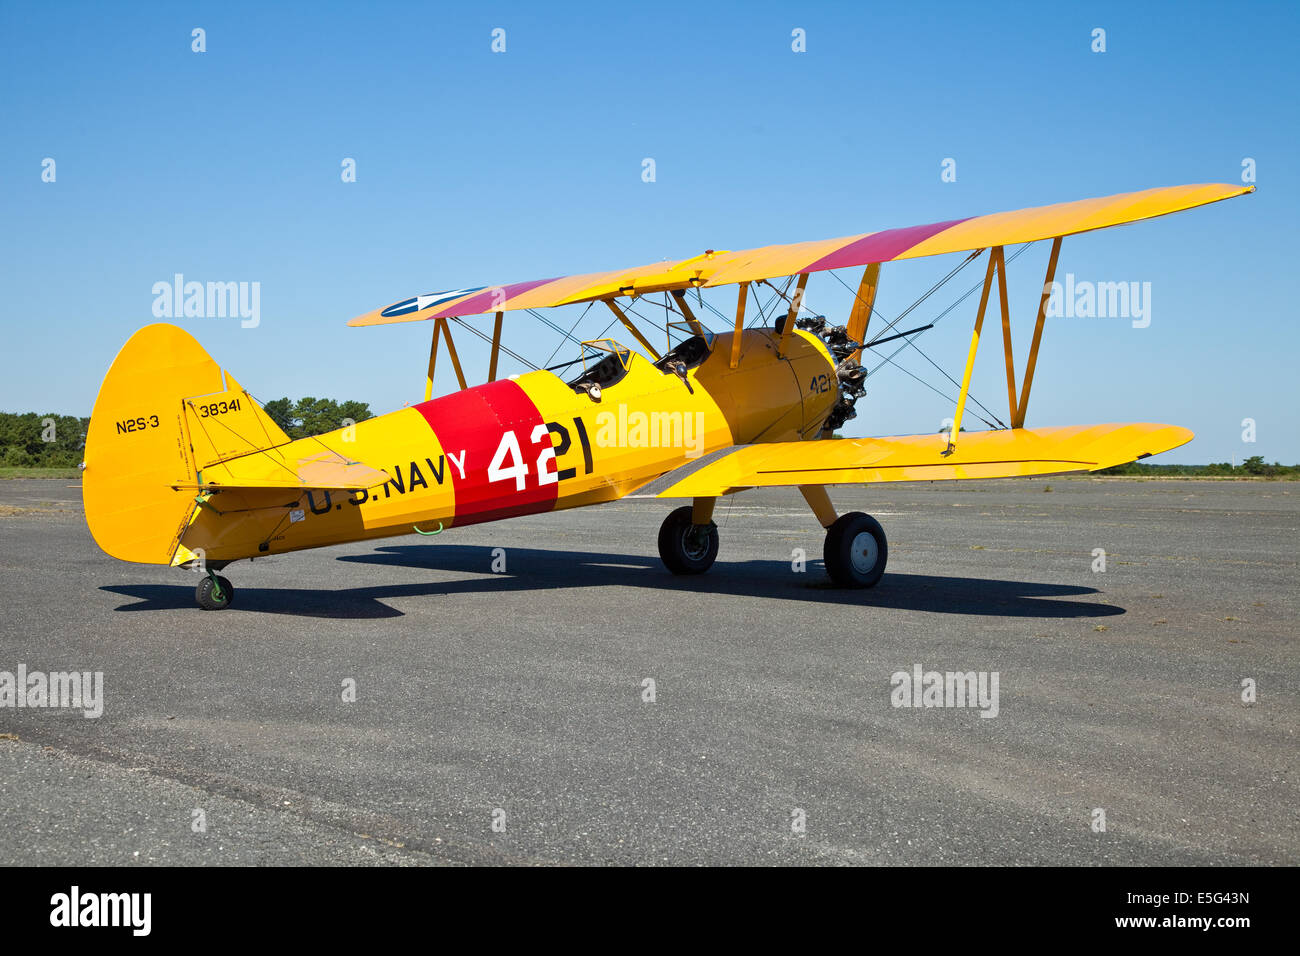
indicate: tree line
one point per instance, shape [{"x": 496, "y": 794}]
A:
[
  {"x": 33, "y": 439},
  {"x": 1254, "y": 467}
]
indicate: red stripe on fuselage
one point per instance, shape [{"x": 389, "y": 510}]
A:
[{"x": 471, "y": 426}]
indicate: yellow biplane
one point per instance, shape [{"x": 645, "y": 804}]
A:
[{"x": 184, "y": 468}]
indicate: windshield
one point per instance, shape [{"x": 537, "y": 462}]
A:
[
  {"x": 690, "y": 352},
  {"x": 604, "y": 362}
]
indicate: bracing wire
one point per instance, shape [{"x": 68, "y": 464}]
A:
[
  {"x": 889, "y": 359},
  {"x": 545, "y": 321},
  {"x": 569, "y": 334},
  {"x": 488, "y": 339}
]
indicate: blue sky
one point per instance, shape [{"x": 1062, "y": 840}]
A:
[{"x": 476, "y": 167}]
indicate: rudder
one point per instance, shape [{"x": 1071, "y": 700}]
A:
[{"x": 149, "y": 438}]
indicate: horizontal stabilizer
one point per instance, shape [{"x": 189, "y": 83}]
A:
[
  {"x": 1007, "y": 453},
  {"x": 326, "y": 470}
]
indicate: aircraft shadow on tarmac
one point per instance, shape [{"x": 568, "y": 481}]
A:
[{"x": 531, "y": 569}]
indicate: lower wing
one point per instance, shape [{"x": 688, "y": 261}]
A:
[{"x": 1006, "y": 453}]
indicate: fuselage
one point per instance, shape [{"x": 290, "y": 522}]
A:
[{"x": 531, "y": 443}]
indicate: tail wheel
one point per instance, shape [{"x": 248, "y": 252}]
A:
[
  {"x": 686, "y": 547},
  {"x": 214, "y": 593},
  {"x": 856, "y": 550}
]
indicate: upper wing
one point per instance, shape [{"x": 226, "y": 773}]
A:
[
  {"x": 994, "y": 454},
  {"x": 720, "y": 268}
]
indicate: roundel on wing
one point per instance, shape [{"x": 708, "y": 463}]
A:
[{"x": 421, "y": 302}]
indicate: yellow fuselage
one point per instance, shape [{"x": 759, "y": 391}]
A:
[{"x": 528, "y": 444}]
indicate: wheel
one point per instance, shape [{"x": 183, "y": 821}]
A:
[
  {"x": 685, "y": 547},
  {"x": 214, "y": 598},
  {"x": 856, "y": 550}
]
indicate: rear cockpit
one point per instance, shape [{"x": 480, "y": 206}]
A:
[{"x": 604, "y": 364}]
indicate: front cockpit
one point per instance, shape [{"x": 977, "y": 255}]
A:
[{"x": 689, "y": 353}]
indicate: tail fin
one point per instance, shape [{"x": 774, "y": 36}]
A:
[{"x": 165, "y": 412}]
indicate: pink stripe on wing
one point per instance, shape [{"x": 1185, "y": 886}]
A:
[
  {"x": 880, "y": 246},
  {"x": 488, "y": 300}
]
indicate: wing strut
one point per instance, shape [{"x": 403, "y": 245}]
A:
[
  {"x": 998, "y": 264},
  {"x": 970, "y": 356},
  {"x": 433, "y": 360},
  {"x": 863, "y": 305},
  {"x": 627, "y": 324},
  {"x": 795, "y": 302},
  {"x": 740, "y": 324},
  {"x": 1019, "y": 420},
  {"x": 496, "y": 348},
  {"x": 441, "y": 328},
  {"x": 999, "y": 255},
  {"x": 691, "y": 320}
]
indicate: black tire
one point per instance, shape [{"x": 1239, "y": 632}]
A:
[
  {"x": 207, "y": 598},
  {"x": 856, "y": 550},
  {"x": 685, "y": 547}
]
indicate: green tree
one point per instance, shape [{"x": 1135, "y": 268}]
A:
[
  {"x": 280, "y": 411},
  {"x": 42, "y": 440},
  {"x": 314, "y": 416}
]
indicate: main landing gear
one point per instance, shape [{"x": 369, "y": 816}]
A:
[
  {"x": 855, "y": 551},
  {"x": 688, "y": 547},
  {"x": 214, "y": 592}
]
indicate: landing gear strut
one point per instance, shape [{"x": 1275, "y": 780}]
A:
[
  {"x": 856, "y": 550},
  {"x": 687, "y": 547},
  {"x": 214, "y": 592}
]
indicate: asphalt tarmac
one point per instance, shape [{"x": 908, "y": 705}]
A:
[{"x": 505, "y": 717}]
